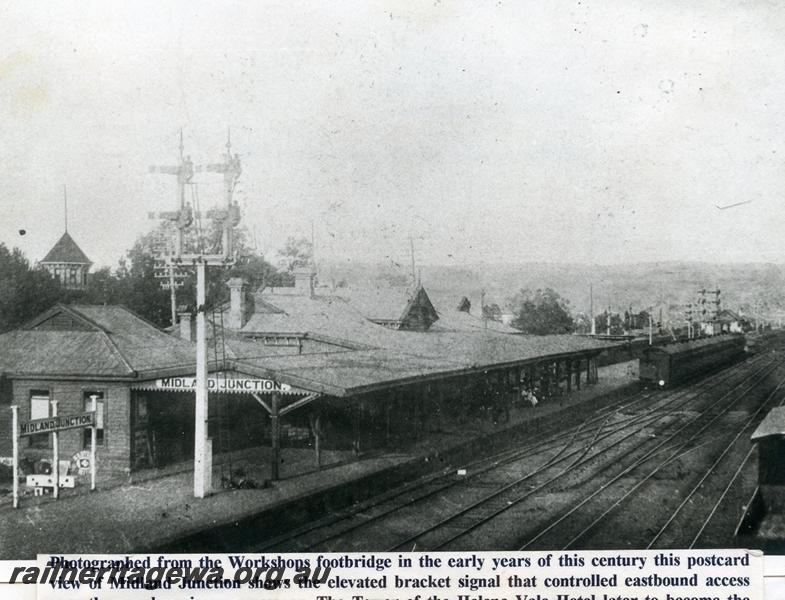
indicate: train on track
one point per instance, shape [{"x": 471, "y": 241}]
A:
[{"x": 662, "y": 366}]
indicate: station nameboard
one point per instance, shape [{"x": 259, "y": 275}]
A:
[
  {"x": 222, "y": 384},
  {"x": 52, "y": 424}
]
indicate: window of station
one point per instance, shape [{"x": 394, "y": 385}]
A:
[
  {"x": 100, "y": 410},
  {"x": 39, "y": 409}
]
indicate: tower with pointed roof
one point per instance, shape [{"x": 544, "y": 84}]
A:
[{"x": 66, "y": 262}]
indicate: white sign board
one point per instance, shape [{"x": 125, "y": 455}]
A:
[{"x": 222, "y": 384}]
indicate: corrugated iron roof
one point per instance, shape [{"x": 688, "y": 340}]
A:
[
  {"x": 379, "y": 303},
  {"x": 456, "y": 320},
  {"x": 119, "y": 344},
  {"x": 389, "y": 356},
  {"x": 66, "y": 250},
  {"x": 39, "y": 352}
]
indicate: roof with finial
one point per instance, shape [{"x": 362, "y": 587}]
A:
[{"x": 66, "y": 250}]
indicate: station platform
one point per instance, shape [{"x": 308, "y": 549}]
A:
[{"x": 156, "y": 510}]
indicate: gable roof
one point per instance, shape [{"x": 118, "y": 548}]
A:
[
  {"x": 66, "y": 250},
  {"x": 387, "y": 304},
  {"x": 727, "y": 315},
  {"x": 772, "y": 425},
  {"x": 92, "y": 342}
]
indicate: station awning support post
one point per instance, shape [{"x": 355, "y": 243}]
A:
[
  {"x": 55, "y": 456},
  {"x": 276, "y": 412},
  {"x": 275, "y": 434},
  {"x": 93, "y": 439}
]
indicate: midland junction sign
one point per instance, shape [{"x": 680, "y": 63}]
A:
[
  {"x": 222, "y": 384},
  {"x": 53, "y": 424}
]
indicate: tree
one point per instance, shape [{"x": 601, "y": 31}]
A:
[
  {"x": 541, "y": 312},
  {"x": 296, "y": 254},
  {"x": 492, "y": 312},
  {"x": 582, "y": 323},
  {"x": 136, "y": 286},
  {"x": 617, "y": 323},
  {"x": 25, "y": 291}
]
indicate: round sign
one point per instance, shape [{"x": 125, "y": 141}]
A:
[{"x": 82, "y": 462}]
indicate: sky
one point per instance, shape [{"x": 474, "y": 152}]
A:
[{"x": 500, "y": 132}]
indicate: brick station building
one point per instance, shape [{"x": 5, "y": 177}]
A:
[{"x": 71, "y": 353}]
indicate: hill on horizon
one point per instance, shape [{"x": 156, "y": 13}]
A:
[{"x": 619, "y": 286}]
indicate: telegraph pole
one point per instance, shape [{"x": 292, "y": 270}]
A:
[
  {"x": 591, "y": 309},
  {"x": 414, "y": 269},
  {"x": 65, "y": 208},
  {"x": 482, "y": 309}
]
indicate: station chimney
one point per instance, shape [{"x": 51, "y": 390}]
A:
[
  {"x": 239, "y": 306},
  {"x": 304, "y": 282}
]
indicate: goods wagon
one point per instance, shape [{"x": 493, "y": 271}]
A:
[
  {"x": 761, "y": 524},
  {"x": 664, "y": 365}
]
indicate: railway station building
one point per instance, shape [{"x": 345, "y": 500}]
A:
[{"x": 358, "y": 369}]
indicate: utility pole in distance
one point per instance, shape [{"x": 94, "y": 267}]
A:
[{"x": 591, "y": 309}]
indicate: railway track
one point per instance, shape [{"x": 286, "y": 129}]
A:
[
  {"x": 679, "y": 530},
  {"x": 582, "y": 448},
  {"x": 608, "y": 498},
  {"x": 585, "y": 472}
]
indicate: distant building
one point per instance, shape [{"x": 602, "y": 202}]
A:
[
  {"x": 66, "y": 262},
  {"x": 726, "y": 321},
  {"x": 729, "y": 321}
]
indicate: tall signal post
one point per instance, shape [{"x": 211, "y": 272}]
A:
[
  {"x": 716, "y": 302},
  {"x": 181, "y": 218},
  {"x": 229, "y": 217}
]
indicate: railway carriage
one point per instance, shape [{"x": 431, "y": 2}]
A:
[{"x": 664, "y": 365}]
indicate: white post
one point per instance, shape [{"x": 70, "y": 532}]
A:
[
  {"x": 591, "y": 309},
  {"x": 15, "y": 438},
  {"x": 650, "y": 330},
  {"x": 201, "y": 458},
  {"x": 56, "y": 456},
  {"x": 93, "y": 439}
]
